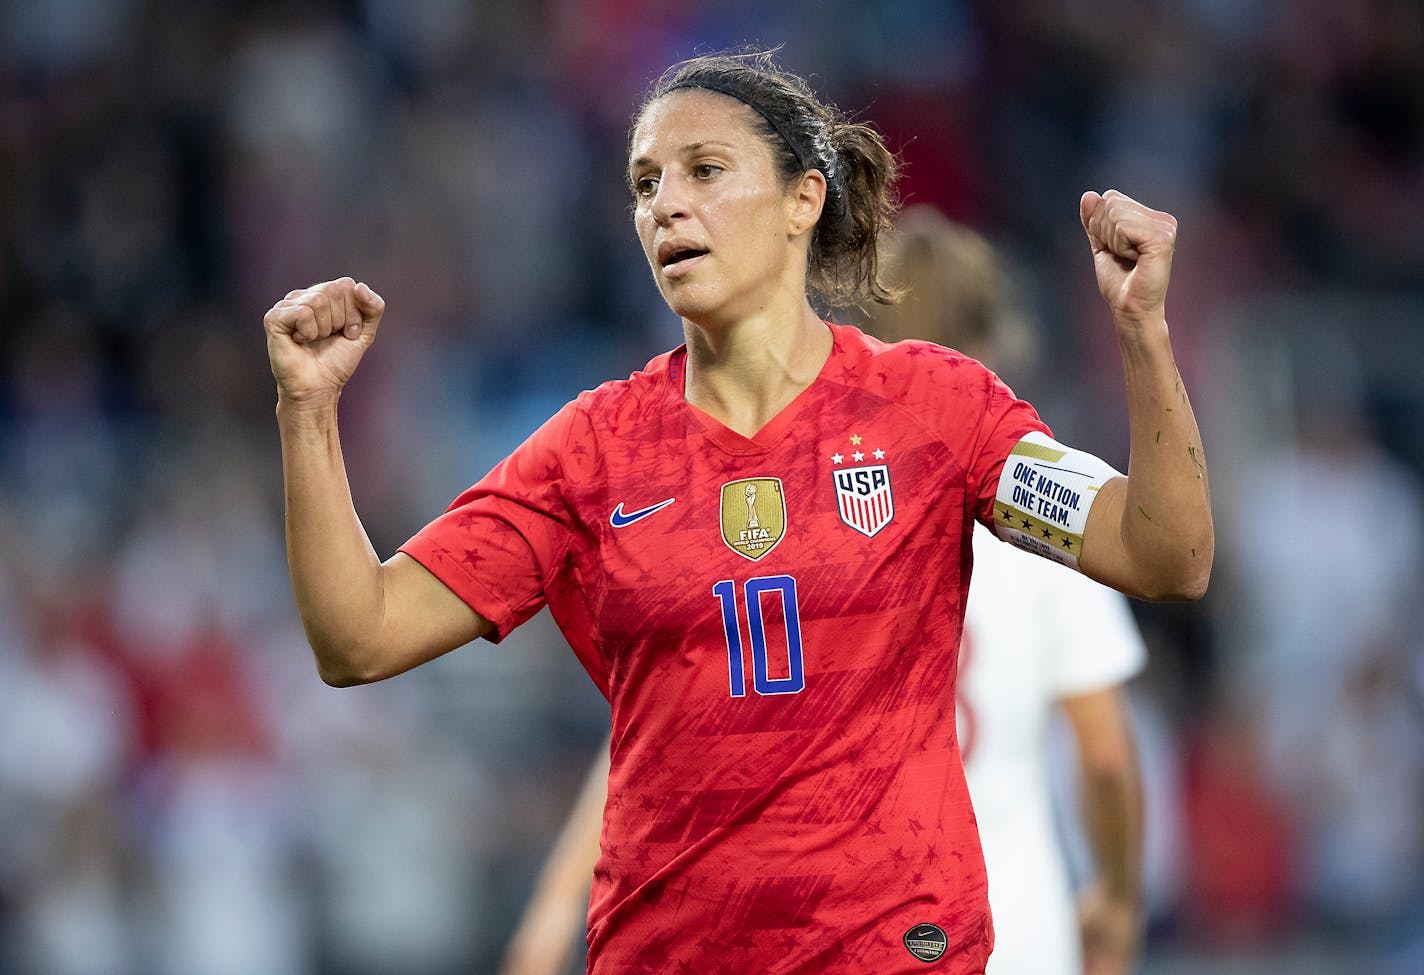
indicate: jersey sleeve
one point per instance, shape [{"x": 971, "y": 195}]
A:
[
  {"x": 1098, "y": 643},
  {"x": 500, "y": 541},
  {"x": 1034, "y": 492},
  {"x": 1005, "y": 421}
]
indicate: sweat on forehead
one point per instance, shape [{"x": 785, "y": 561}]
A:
[
  {"x": 778, "y": 129},
  {"x": 694, "y": 123},
  {"x": 787, "y": 136}
]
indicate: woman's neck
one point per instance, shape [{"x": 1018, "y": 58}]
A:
[{"x": 746, "y": 373}]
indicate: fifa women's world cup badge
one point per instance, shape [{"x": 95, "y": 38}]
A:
[{"x": 753, "y": 515}]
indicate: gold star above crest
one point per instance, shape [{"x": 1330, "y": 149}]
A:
[{"x": 855, "y": 439}]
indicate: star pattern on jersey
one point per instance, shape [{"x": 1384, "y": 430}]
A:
[
  {"x": 857, "y": 455},
  {"x": 944, "y": 532},
  {"x": 743, "y": 940}
]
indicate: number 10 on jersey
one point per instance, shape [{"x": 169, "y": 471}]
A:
[{"x": 752, "y": 591}]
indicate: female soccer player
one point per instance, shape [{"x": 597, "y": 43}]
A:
[
  {"x": 1015, "y": 668},
  {"x": 758, "y": 545}
]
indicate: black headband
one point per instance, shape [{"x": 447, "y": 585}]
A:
[{"x": 792, "y": 144}]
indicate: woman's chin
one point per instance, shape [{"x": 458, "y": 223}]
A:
[{"x": 690, "y": 306}]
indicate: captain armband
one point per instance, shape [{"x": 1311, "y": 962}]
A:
[{"x": 1045, "y": 493}]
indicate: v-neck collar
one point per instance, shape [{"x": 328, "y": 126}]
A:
[{"x": 775, "y": 429}]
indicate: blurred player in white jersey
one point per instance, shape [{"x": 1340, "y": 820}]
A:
[
  {"x": 1037, "y": 636},
  {"x": 1050, "y": 637}
]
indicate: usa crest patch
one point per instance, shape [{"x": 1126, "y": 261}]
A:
[{"x": 864, "y": 498}]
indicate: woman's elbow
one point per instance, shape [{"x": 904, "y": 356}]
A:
[
  {"x": 1191, "y": 587},
  {"x": 1185, "y": 579},
  {"x": 344, "y": 665},
  {"x": 339, "y": 677}
]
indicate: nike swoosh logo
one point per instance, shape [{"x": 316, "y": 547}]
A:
[{"x": 619, "y": 520}]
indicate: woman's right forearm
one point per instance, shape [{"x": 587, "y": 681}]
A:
[{"x": 336, "y": 574}]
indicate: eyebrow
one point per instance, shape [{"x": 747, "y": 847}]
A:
[{"x": 686, "y": 150}]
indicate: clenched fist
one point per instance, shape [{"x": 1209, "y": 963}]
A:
[
  {"x": 316, "y": 336},
  {"x": 1132, "y": 253}
]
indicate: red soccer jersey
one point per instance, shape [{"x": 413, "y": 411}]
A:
[{"x": 775, "y": 622}]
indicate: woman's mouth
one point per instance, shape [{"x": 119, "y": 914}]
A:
[{"x": 678, "y": 259}]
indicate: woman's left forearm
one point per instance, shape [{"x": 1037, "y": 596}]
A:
[{"x": 1165, "y": 517}]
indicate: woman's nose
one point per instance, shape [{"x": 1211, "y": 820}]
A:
[{"x": 669, "y": 201}]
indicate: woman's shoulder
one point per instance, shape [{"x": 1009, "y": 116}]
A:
[
  {"x": 910, "y": 363},
  {"x": 642, "y": 392}
]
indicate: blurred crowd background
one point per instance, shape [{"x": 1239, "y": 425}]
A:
[{"x": 180, "y": 794}]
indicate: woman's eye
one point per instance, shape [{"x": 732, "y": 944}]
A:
[
  {"x": 706, "y": 170},
  {"x": 646, "y": 186}
]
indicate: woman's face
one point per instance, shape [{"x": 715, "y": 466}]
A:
[{"x": 712, "y": 215}]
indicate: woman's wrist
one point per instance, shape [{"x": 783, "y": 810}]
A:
[{"x": 318, "y": 407}]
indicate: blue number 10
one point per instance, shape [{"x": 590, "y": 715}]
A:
[{"x": 726, "y": 593}]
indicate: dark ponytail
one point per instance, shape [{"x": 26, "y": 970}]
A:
[
  {"x": 805, "y": 133},
  {"x": 844, "y": 265}
]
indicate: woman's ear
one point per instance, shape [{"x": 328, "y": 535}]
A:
[{"x": 805, "y": 201}]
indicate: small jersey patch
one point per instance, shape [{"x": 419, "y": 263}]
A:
[
  {"x": 1045, "y": 493},
  {"x": 753, "y": 515},
  {"x": 927, "y": 942},
  {"x": 864, "y": 499}
]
